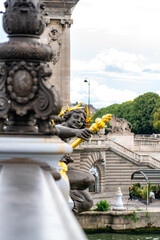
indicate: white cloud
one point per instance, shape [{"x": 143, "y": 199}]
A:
[
  {"x": 118, "y": 17},
  {"x": 111, "y": 58},
  {"x": 101, "y": 95},
  {"x": 120, "y": 65},
  {"x": 127, "y": 25},
  {"x": 104, "y": 96},
  {"x": 128, "y": 70},
  {"x": 153, "y": 67}
]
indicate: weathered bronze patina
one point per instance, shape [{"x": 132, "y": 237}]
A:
[
  {"x": 27, "y": 101},
  {"x": 75, "y": 120}
]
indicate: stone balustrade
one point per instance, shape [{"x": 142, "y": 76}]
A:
[{"x": 100, "y": 143}]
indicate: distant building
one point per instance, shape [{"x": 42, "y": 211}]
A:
[{"x": 92, "y": 109}]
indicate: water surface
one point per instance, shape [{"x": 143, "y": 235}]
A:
[{"x": 111, "y": 236}]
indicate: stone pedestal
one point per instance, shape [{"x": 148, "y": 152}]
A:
[
  {"x": 42, "y": 149},
  {"x": 32, "y": 205}
]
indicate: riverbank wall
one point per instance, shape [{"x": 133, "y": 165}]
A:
[{"x": 120, "y": 220}]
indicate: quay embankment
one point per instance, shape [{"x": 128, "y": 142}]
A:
[
  {"x": 136, "y": 216},
  {"x": 132, "y": 220}
]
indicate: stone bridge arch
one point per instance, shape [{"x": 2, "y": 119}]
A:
[{"x": 97, "y": 159}]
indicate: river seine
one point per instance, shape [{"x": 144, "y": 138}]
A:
[{"x": 110, "y": 236}]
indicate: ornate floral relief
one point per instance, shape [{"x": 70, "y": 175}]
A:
[
  {"x": 47, "y": 21},
  {"x": 55, "y": 43}
]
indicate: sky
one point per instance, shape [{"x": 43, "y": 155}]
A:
[{"x": 115, "y": 44}]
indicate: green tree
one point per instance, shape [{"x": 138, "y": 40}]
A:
[
  {"x": 156, "y": 120},
  {"x": 112, "y": 109},
  {"x": 141, "y": 115},
  {"x": 124, "y": 110}
]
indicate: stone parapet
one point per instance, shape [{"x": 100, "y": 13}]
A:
[{"x": 120, "y": 220}]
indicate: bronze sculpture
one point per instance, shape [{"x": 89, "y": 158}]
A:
[
  {"x": 74, "y": 125},
  {"x": 27, "y": 100},
  {"x": 75, "y": 120}
]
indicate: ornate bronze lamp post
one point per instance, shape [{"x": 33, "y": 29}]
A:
[{"x": 27, "y": 101}]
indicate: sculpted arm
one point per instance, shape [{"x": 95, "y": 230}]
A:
[{"x": 66, "y": 132}]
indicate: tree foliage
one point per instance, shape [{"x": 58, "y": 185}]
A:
[
  {"x": 156, "y": 120},
  {"x": 102, "y": 111},
  {"x": 143, "y": 113}
]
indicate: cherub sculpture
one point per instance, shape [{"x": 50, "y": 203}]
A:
[{"x": 74, "y": 125}]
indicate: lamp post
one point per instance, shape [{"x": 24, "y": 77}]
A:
[{"x": 87, "y": 81}]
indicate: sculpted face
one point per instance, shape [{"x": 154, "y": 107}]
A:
[
  {"x": 23, "y": 17},
  {"x": 76, "y": 120},
  {"x": 54, "y": 34}
]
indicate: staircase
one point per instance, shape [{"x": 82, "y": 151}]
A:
[
  {"x": 120, "y": 162},
  {"x": 118, "y": 172}
]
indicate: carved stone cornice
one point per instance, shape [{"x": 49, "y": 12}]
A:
[
  {"x": 56, "y": 12},
  {"x": 59, "y": 7},
  {"x": 66, "y": 23},
  {"x": 69, "y": 4}
]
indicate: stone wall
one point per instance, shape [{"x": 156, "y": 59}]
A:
[
  {"x": 114, "y": 167},
  {"x": 114, "y": 170},
  {"x": 122, "y": 220}
]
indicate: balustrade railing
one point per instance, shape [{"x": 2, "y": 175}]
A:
[
  {"x": 132, "y": 155},
  {"x": 108, "y": 143},
  {"x": 146, "y": 141}
]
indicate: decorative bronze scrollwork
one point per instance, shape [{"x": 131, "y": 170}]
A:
[
  {"x": 22, "y": 82},
  {"x": 27, "y": 100}
]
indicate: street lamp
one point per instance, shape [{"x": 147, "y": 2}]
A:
[{"x": 87, "y": 81}]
